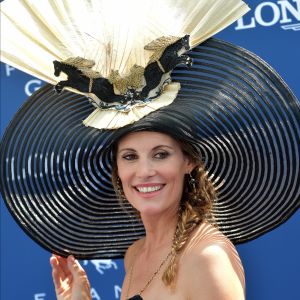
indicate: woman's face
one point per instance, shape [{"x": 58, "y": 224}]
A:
[{"x": 151, "y": 167}]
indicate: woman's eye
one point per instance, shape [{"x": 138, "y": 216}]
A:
[
  {"x": 161, "y": 155},
  {"x": 129, "y": 156}
]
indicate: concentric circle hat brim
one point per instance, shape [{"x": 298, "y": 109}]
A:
[{"x": 56, "y": 173}]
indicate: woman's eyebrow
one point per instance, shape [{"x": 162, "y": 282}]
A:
[
  {"x": 162, "y": 146},
  {"x": 153, "y": 149},
  {"x": 126, "y": 149}
]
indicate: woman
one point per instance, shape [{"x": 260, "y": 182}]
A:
[{"x": 182, "y": 255}]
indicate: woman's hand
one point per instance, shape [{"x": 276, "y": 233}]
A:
[{"x": 70, "y": 279}]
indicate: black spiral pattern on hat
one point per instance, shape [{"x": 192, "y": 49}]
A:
[
  {"x": 249, "y": 131},
  {"x": 56, "y": 173},
  {"x": 57, "y": 179}
]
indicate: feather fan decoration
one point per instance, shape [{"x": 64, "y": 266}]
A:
[{"x": 110, "y": 35}]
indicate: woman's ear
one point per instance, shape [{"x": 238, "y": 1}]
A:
[{"x": 190, "y": 165}]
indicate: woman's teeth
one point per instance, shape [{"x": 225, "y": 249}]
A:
[{"x": 149, "y": 189}]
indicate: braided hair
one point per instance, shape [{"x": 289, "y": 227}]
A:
[{"x": 195, "y": 207}]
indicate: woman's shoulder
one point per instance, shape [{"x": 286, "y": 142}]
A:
[
  {"x": 206, "y": 236},
  {"x": 208, "y": 242},
  {"x": 212, "y": 260}
]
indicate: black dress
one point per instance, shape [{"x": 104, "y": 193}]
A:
[{"x": 136, "y": 297}]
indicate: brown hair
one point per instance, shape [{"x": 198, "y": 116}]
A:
[{"x": 195, "y": 206}]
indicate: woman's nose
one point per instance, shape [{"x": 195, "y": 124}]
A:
[{"x": 145, "y": 168}]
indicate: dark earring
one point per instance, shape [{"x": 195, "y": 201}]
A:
[
  {"x": 120, "y": 189},
  {"x": 192, "y": 183}
]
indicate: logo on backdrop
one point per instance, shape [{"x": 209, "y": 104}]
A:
[
  {"x": 30, "y": 86},
  {"x": 39, "y": 296},
  {"x": 102, "y": 264},
  {"x": 285, "y": 13}
]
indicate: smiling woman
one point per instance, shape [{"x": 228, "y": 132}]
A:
[{"x": 164, "y": 180}]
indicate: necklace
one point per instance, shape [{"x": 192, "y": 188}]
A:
[{"x": 138, "y": 296}]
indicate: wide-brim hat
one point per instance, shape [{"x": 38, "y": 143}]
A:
[{"x": 55, "y": 174}]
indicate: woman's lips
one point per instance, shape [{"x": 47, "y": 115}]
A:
[{"x": 148, "y": 188}]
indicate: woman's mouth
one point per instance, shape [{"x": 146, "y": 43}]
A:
[{"x": 149, "y": 189}]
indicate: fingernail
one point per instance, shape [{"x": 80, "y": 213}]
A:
[
  {"x": 53, "y": 261},
  {"x": 71, "y": 258}
]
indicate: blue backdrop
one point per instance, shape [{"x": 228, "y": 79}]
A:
[{"x": 272, "y": 262}]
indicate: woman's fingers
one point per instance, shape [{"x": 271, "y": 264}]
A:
[
  {"x": 70, "y": 279},
  {"x": 77, "y": 271},
  {"x": 63, "y": 265},
  {"x": 81, "y": 284},
  {"x": 61, "y": 278},
  {"x": 56, "y": 274}
]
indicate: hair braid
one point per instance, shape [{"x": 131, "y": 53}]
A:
[{"x": 195, "y": 206}]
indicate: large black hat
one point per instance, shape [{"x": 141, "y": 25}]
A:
[{"x": 232, "y": 106}]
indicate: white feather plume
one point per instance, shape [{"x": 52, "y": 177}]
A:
[{"x": 113, "y": 33}]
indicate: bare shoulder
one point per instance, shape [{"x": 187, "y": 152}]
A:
[
  {"x": 130, "y": 254},
  {"x": 211, "y": 267}
]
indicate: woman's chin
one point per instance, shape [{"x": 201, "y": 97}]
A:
[
  {"x": 150, "y": 212},
  {"x": 146, "y": 208},
  {"x": 155, "y": 210}
]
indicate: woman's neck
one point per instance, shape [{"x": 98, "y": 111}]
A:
[{"x": 159, "y": 232}]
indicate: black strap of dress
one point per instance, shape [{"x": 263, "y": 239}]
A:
[{"x": 136, "y": 297}]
